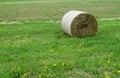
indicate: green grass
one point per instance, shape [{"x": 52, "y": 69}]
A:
[
  {"x": 15, "y": 0},
  {"x": 54, "y": 10},
  {"x": 39, "y": 49},
  {"x": 36, "y": 47}
]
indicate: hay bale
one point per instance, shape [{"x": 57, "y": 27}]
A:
[{"x": 79, "y": 23}]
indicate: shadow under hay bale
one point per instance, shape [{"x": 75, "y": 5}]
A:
[{"x": 79, "y": 24}]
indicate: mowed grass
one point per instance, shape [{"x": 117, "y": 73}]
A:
[
  {"x": 39, "y": 49},
  {"x": 54, "y": 10},
  {"x": 42, "y": 50}
]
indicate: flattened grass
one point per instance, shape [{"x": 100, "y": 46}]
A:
[{"x": 55, "y": 9}]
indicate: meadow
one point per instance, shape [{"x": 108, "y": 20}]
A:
[{"x": 33, "y": 45}]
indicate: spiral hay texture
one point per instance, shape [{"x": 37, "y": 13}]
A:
[{"x": 79, "y": 23}]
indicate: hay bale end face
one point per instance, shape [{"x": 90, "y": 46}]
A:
[{"x": 79, "y": 23}]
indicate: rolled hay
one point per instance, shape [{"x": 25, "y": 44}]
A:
[{"x": 79, "y": 23}]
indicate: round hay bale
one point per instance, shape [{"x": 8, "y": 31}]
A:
[{"x": 79, "y": 23}]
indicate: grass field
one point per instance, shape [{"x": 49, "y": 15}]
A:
[
  {"x": 37, "y": 48},
  {"x": 54, "y": 10}
]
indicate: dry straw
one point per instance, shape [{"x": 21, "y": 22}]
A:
[{"x": 79, "y": 23}]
